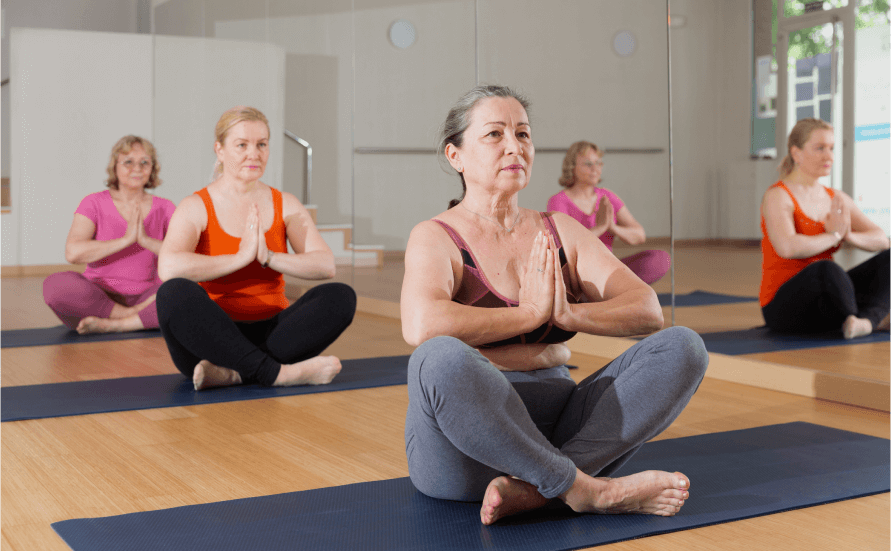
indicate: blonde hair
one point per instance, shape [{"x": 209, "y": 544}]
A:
[
  {"x": 799, "y": 136},
  {"x": 567, "y": 177},
  {"x": 124, "y": 146},
  {"x": 239, "y": 113}
]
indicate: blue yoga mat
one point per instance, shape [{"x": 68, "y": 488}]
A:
[
  {"x": 734, "y": 475},
  {"x": 159, "y": 391},
  {"x": 701, "y": 298},
  {"x": 762, "y": 339},
  {"x": 45, "y": 336}
]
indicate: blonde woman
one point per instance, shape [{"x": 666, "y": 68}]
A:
[
  {"x": 117, "y": 233},
  {"x": 222, "y": 308},
  {"x": 803, "y": 223}
]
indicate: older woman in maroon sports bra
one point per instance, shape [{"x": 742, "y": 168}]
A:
[{"x": 491, "y": 293}]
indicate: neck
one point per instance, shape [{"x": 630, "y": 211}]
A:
[
  {"x": 583, "y": 190},
  {"x": 238, "y": 186},
  {"x": 798, "y": 178},
  {"x": 128, "y": 195},
  {"x": 502, "y": 210}
]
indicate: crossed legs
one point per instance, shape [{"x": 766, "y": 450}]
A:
[
  {"x": 86, "y": 307},
  {"x": 213, "y": 350},
  {"x": 473, "y": 435}
]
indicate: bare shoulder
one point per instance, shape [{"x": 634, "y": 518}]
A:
[
  {"x": 776, "y": 196},
  {"x": 291, "y": 205},
  {"x": 428, "y": 233},
  {"x": 192, "y": 210}
]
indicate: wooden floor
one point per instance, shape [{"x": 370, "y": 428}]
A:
[{"x": 107, "y": 464}]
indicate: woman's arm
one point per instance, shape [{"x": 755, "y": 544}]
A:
[
  {"x": 178, "y": 258},
  {"x": 777, "y": 210},
  {"x": 313, "y": 258},
  {"x": 864, "y": 233},
  {"x": 81, "y": 247},
  {"x": 619, "y": 303},
  {"x": 627, "y": 228},
  {"x": 431, "y": 261}
]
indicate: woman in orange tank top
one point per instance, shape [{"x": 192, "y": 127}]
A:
[
  {"x": 222, "y": 309},
  {"x": 803, "y": 223}
]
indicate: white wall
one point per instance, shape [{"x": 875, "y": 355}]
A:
[
  {"x": 557, "y": 52},
  {"x": 66, "y": 113},
  {"x": 172, "y": 92},
  {"x": 84, "y": 15}
]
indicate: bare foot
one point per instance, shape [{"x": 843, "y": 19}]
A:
[
  {"x": 885, "y": 324},
  {"x": 208, "y": 375},
  {"x": 314, "y": 371},
  {"x": 648, "y": 492},
  {"x": 508, "y": 496},
  {"x": 92, "y": 324},
  {"x": 856, "y": 327}
]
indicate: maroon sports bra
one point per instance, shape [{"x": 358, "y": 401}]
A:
[{"x": 476, "y": 290}]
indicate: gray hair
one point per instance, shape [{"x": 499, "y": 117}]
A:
[{"x": 458, "y": 120}]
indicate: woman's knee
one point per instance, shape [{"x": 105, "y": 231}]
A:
[
  {"x": 176, "y": 293},
  {"x": 690, "y": 348},
  {"x": 60, "y": 287},
  {"x": 343, "y": 298},
  {"x": 442, "y": 359}
]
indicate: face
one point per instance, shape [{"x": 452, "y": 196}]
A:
[
  {"x": 816, "y": 156},
  {"x": 497, "y": 151},
  {"x": 245, "y": 151},
  {"x": 134, "y": 168},
  {"x": 588, "y": 167}
]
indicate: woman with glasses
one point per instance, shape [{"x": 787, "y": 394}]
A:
[
  {"x": 601, "y": 211},
  {"x": 117, "y": 233}
]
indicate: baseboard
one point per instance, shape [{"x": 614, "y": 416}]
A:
[{"x": 40, "y": 270}]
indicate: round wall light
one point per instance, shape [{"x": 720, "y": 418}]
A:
[
  {"x": 402, "y": 33},
  {"x": 624, "y": 43}
]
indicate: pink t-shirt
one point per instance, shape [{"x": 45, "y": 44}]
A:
[
  {"x": 133, "y": 270},
  {"x": 561, "y": 202}
]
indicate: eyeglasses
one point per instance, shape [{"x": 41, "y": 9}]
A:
[{"x": 130, "y": 164}]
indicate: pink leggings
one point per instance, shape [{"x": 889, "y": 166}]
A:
[
  {"x": 650, "y": 266},
  {"x": 73, "y": 297}
]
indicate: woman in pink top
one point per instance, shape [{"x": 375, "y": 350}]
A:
[
  {"x": 117, "y": 233},
  {"x": 601, "y": 211}
]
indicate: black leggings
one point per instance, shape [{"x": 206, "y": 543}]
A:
[
  {"x": 196, "y": 328},
  {"x": 822, "y": 295}
]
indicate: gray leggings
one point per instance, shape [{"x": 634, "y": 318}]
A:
[{"x": 469, "y": 423}]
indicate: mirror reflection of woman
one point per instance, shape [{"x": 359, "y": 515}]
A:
[
  {"x": 222, "y": 308},
  {"x": 602, "y": 211},
  {"x": 803, "y": 223},
  {"x": 491, "y": 293},
  {"x": 117, "y": 233}
]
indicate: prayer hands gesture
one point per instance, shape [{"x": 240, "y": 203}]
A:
[
  {"x": 606, "y": 215},
  {"x": 248, "y": 248},
  {"x": 839, "y": 217},
  {"x": 253, "y": 241},
  {"x": 542, "y": 289},
  {"x": 134, "y": 226}
]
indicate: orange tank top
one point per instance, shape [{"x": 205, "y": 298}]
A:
[
  {"x": 253, "y": 292},
  {"x": 776, "y": 270}
]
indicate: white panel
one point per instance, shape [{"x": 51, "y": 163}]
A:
[
  {"x": 196, "y": 80},
  {"x": 403, "y": 95},
  {"x": 74, "y": 94}
]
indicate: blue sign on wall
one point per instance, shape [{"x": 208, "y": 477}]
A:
[{"x": 872, "y": 132}]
